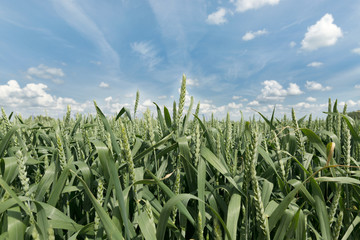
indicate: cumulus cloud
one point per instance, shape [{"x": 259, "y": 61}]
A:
[
  {"x": 103, "y": 85},
  {"x": 251, "y": 35},
  {"x": 239, "y": 98},
  {"x": 162, "y": 97},
  {"x": 148, "y": 103},
  {"x": 244, "y": 5},
  {"x": 315, "y": 86},
  {"x": 311, "y": 99},
  {"x": 274, "y": 91},
  {"x": 292, "y": 44},
  {"x": 254, "y": 103},
  {"x": 294, "y": 89},
  {"x": 113, "y": 105},
  {"x": 44, "y": 72},
  {"x": 34, "y": 98},
  {"x": 323, "y": 33},
  {"x": 207, "y": 108},
  {"x": 315, "y": 64},
  {"x": 351, "y": 103},
  {"x": 147, "y": 52},
  {"x": 357, "y": 86},
  {"x": 356, "y": 50},
  {"x": 234, "y": 105},
  {"x": 218, "y": 17}
]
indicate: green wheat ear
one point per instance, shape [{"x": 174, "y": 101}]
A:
[
  {"x": 136, "y": 102},
  {"x": 181, "y": 101}
]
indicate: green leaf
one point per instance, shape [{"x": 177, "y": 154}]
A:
[
  {"x": 315, "y": 140},
  {"x": 280, "y": 210},
  {"x": 58, "y": 187},
  {"x": 321, "y": 211},
  {"x": 233, "y": 215},
  {"x": 106, "y": 157},
  {"x": 16, "y": 227},
  {"x": 146, "y": 226},
  {"x": 109, "y": 225}
]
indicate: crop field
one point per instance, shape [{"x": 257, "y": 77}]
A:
[{"x": 177, "y": 175}]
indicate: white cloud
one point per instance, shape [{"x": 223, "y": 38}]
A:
[
  {"x": 192, "y": 82},
  {"x": 356, "y": 50},
  {"x": 162, "y": 97},
  {"x": 108, "y": 99},
  {"x": 236, "y": 97},
  {"x": 244, "y": 5},
  {"x": 147, "y": 52},
  {"x": 311, "y": 99},
  {"x": 311, "y": 85},
  {"x": 148, "y": 103},
  {"x": 294, "y": 89},
  {"x": 234, "y": 105},
  {"x": 251, "y": 35},
  {"x": 44, "y": 72},
  {"x": 350, "y": 103},
  {"x": 322, "y": 34},
  {"x": 315, "y": 64},
  {"x": 274, "y": 91},
  {"x": 217, "y": 17},
  {"x": 206, "y": 108},
  {"x": 357, "y": 86},
  {"x": 34, "y": 99},
  {"x": 254, "y": 103},
  {"x": 292, "y": 44},
  {"x": 103, "y": 85}
]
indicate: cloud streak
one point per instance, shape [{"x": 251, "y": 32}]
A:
[
  {"x": 75, "y": 16},
  {"x": 147, "y": 52}
]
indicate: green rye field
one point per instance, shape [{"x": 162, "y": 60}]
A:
[{"x": 176, "y": 175}]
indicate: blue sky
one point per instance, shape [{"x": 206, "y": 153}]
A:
[{"x": 238, "y": 55}]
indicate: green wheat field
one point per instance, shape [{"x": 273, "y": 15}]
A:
[{"x": 179, "y": 176}]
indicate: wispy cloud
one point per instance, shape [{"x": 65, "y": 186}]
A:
[
  {"x": 76, "y": 17},
  {"x": 251, "y": 35},
  {"x": 218, "y": 17},
  {"x": 44, "y": 72},
  {"x": 315, "y": 64},
  {"x": 147, "y": 52},
  {"x": 356, "y": 50},
  {"x": 96, "y": 62},
  {"x": 322, "y": 34}
]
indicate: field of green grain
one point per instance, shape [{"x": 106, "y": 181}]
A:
[{"x": 178, "y": 176}]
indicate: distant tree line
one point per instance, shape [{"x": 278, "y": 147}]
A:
[{"x": 355, "y": 114}]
